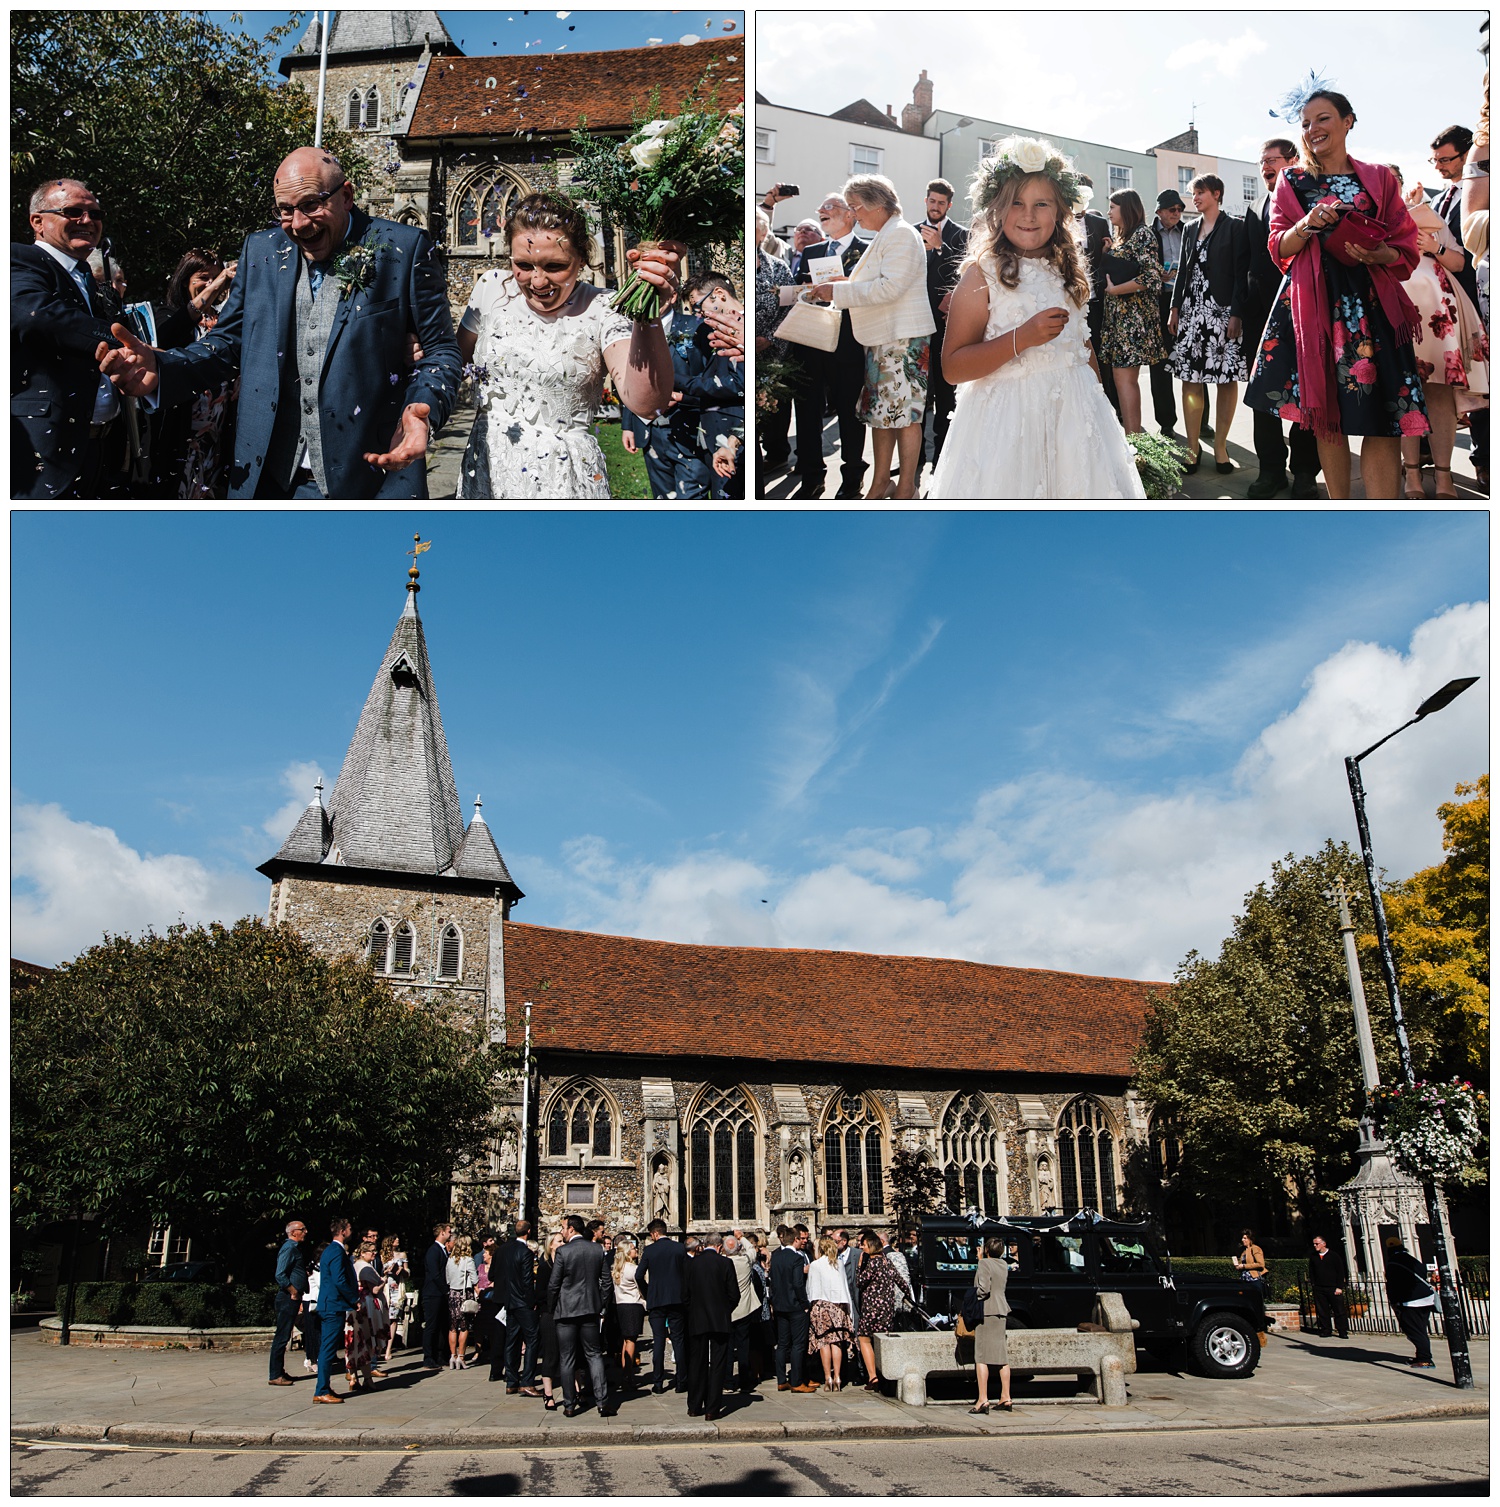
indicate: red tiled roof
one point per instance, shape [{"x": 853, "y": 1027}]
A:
[
  {"x": 593, "y": 993},
  {"x": 551, "y": 93}
]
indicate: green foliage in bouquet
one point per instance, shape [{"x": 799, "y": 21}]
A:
[
  {"x": 774, "y": 376},
  {"x": 679, "y": 179},
  {"x": 1160, "y": 463}
]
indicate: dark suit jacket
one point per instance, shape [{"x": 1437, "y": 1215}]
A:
[
  {"x": 1096, "y": 233},
  {"x": 658, "y": 1272},
  {"x": 1327, "y": 1270},
  {"x": 515, "y": 1275},
  {"x": 581, "y": 1285},
  {"x": 942, "y": 266},
  {"x": 366, "y": 377},
  {"x": 849, "y": 358},
  {"x": 1454, "y": 214},
  {"x": 338, "y": 1291},
  {"x": 711, "y": 380},
  {"x": 713, "y": 1291},
  {"x": 788, "y": 1280},
  {"x": 1226, "y": 259},
  {"x": 435, "y": 1272},
  {"x": 53, "y": 374}
]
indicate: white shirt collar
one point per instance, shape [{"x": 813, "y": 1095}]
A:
[
  {"x": 68, "y": 263},
  {"x": 938, "y": 224}
]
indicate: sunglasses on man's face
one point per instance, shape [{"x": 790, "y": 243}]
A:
[{"x": 73, "y": 213}]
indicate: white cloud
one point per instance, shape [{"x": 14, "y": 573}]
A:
[
  {"x": 1054, "y": 871},
  {"x": 1217, "y": 54},
  {"x": 298, "y": 779},
  {"x": 77, "y": 880}
]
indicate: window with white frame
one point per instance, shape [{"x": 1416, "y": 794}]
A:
[
  {"x": 1249, "y": 188},
  {"x": 403, "y": 948},
  {"x": 372, "y": 109},
  {"x": 1120, "y": 178},
  {"x": 378, "y": 949},
  {"x": 765, "y": 145},
  {"x": 1185, "y": 176},
  {"x": 864, "y": 159},
  {"x": 987, "y": 146}
]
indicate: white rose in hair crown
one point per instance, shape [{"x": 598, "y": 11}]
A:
[{"x": 1028, "y": 154}]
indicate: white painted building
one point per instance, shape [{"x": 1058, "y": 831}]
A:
[{"x": 819, "y": 153}]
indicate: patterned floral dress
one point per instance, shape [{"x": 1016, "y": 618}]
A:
[
  {"x": 1376, "y": 382},
  {"x": 1132, "y": 321},
  {"x": 878, "y": 1281},
  {"x": 1438, "y": 348},
  {"x": 895, "y": 390},
  {"x": 1203, "y": 351}
]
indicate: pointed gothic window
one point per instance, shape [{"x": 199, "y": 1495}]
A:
[
  {"x": 581, "y": 1116},
  {"x": 372, "y": 109},
  {"x": 351, "y": 114},
  {"x": 853, "y": 1171},
  {"x": 1086, "y": 1157},
  {"x": 403, "y": 948},
  {"x": 479, "y": 216},
  {"x": 378, "y": 949},
  {"x": 450, "y": 952},
  {"x": 970, "y": 1150},
  {"x": 723, "y": 1160}
]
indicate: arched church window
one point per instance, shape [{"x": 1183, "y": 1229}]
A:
[
  {"x": 581, "y": 1116},
  {"x": 1086, "y": 1149},
  {"x": 853, "y": 1168},
  {"x": 403, "y": 948},
  {"x": 372, "y": 109},
  {"x": 450, "y": 952},
  {"x": 351, "y": 112},
  {"x": 378, "y": 949},
  {"x": 970, "y": 1152},
  {"x": 1166, "y": 1147},
  {"x": 723, "y": 1160},
  {"x": 483, "y": 204}
]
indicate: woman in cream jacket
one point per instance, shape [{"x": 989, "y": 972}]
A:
[{"x": 890, "y": 315}]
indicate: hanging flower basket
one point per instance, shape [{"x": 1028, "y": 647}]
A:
[{"x": 1431, "y": 1129}]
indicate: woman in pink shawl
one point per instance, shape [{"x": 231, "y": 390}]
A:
[{"x": 1336, "y": 354}]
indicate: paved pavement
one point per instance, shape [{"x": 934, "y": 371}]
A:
[
  {"x": 1206, "y": 486},
  {"x": 100, "y": 1394},
  {"x": 448, "y": 450}
]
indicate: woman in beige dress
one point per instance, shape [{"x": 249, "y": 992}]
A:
[{"x": 989, "y": 1339}]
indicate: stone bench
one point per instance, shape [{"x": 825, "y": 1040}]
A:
[{"x": 1106, "y": 1355}]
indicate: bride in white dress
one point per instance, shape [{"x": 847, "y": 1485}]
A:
[
  {"x": 1031, "y": 419},
  {"x": 541, "y": 341}
]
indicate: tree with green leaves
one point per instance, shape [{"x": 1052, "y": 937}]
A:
[
  {"x": 916, "y": 1189},
  {"x": 1251, "y": 1056},
  {"x": 175, "y": 123},
  {"x": 1440, "y": 932},
  {"x": 217, "y": 1078}
]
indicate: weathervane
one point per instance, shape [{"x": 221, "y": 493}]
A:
[{"x": 411, "y": 585}]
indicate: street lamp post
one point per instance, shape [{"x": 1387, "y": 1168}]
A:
[
  {"x": 958, "y": 125},
  {"x": 1453, "y": 1322}
]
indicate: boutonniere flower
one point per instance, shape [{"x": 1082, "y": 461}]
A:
[{"x": 354, "y": 271}]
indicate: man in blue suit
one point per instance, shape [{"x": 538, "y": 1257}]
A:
[
  {"x": 338, "y": 1292},
  {"x": 659, "y": 1274},
  {"x": 317, "y": 328}
]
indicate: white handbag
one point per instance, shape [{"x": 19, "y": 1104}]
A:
[{"x": 814, "y": 324}]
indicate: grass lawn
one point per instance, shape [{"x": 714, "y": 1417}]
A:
[{"x": 627, "y": 473}]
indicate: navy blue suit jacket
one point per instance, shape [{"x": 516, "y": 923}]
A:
[
  {"x": 53, "y": 374},
  {"x": 659, "y": 1272},
  {"x": 338, "y": 1289},
  {"x": 367, "y": 376}
]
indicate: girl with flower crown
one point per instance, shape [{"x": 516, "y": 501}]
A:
[{"x": 1031, "y": 419}]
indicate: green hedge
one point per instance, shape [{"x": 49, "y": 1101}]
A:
[
  {"x": 191, "y": 1305},
  {"x": 1284, "y": 1274}
]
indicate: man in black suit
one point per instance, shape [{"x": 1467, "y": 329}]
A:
[
  {"x": 1448, "y": 153},
  {"x": 435, "y": 1297},
  {"x": 580, "y": 1290},
  {"x": 1167, "y": 229},
  {"x": 659, "y": 1275},
  {"x": 789, "y": 1305},
  {"x": 1091, "y": 230},
  {"x": 1263, "y": 282},
  {"x": 1329, "y": 1277},
  {"x": 946, "y": 244},
  {"x": 712, "y": 1290},
  {"x": 515, "y": 1281},
  {"x": 62, "y": 411},
  {"x": 806, "y": 233},
  {"x": 843, "y": 370}
]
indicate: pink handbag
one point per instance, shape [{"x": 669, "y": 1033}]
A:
[{"x": 1354, "y": 229}]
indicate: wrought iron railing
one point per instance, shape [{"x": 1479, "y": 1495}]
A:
[{"x": 1370, "y": 1310}]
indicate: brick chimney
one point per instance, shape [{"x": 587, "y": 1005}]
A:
[{"x": 914, "y": 115}]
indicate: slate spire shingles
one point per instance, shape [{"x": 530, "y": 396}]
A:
[
  {"x": 394, "y": 805},
  {"x": 309, "y": 839},
  {"x": 479, "y": 858}
]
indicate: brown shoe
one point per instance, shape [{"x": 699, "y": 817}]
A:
[
  {"x": 807, "y": 1386},
  {"x": 378, "y": 1375},
  {"x": 783, "y": 1386},
  {"x": 328, "y": 1397},
  {"x": 511, "y": 1391},
  {"x": 281, "y": 1381}
]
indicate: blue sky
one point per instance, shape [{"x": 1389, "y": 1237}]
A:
[
  {"x": 482, "y": 33},
  {"x": 1064, "y": 739}
]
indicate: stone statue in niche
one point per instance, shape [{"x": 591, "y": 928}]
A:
[
  {"x": 661, "y": 1189},
  {"x": 796, "y": 1177},
  {"x": 506, "y": 1161},
  {"x": 1044, "y": 1183}
]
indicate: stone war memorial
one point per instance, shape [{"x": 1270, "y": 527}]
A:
[{"x": 707, "y": 1086}]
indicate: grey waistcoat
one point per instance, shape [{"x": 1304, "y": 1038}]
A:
[{"x": 312, "y": 325}]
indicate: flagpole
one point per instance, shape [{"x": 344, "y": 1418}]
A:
[{"x": 322, "y": 75}]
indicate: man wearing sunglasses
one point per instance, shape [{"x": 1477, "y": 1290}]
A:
[
  {"x": 61, "y": 409},
  {"x": 318, "y": 327}
]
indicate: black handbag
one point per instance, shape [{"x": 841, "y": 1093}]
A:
[{"x": 1121, "y": 269}]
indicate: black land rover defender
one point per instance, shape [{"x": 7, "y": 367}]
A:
[{"x": 1059, "y": 1265}]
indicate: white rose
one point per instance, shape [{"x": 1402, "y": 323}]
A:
[
  {"x": 1084, "y": 198},
  {"x": 654, "y": 128},
  {"x": 1029, "y": 155},
  {"x": 647, "y": 153}
]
